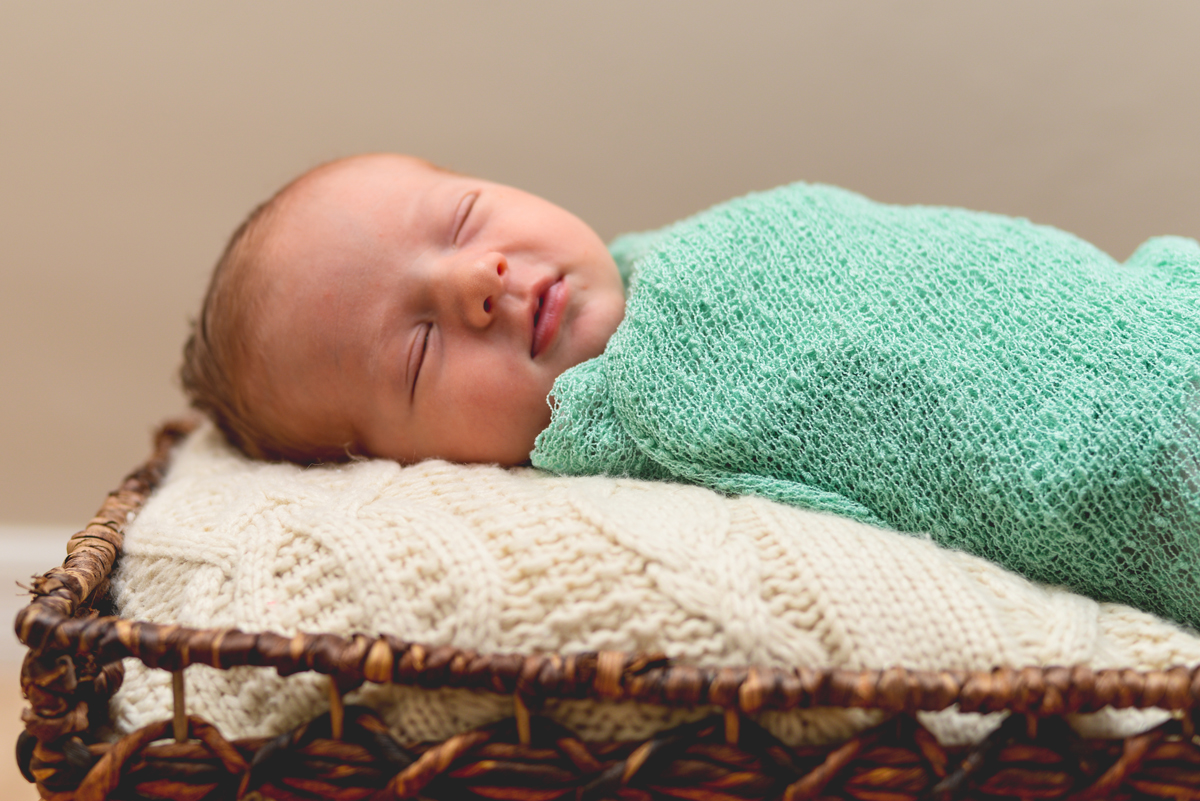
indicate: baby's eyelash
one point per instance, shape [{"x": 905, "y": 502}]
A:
[
  {"x": 460, "y": 217},
  {"x": 420, "y": 357}
]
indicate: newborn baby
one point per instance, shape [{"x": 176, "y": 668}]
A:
[
  {"x": 1005, "y": 387},
  {"x": 381, "y": 306}
]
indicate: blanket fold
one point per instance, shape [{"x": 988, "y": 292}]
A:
[{"x": 1006, "y": 387}]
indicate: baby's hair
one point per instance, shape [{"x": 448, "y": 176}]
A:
[
  {"x": 219, "y": 353},
  {"x": 218, "y": 348}
]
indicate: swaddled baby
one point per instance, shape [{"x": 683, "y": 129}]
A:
[{"x": 1006, "y": 387}]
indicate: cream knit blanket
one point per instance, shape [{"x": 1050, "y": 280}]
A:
[{"x": 518, "y": 560}]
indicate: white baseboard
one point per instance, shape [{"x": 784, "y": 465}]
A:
[{"x": 25, "y": 551}]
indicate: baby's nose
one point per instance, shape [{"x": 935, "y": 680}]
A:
[{"x": 478, "y": 284}]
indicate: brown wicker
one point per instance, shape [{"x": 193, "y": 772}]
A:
[{"x": 73, "y": 667}]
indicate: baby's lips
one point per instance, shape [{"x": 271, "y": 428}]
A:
[{"x": 548, "y": 313}]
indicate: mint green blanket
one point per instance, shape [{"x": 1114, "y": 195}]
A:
[{"x": 1005, "y": 387}]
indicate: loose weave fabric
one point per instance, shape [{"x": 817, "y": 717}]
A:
[
  {"x": 1003, "y": 386},
  {"x": 520, "y": 561}
]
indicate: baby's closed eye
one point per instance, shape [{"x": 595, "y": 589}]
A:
[
  {"x": 416, "y": 356},
  {"x": 460, "y": 217}
]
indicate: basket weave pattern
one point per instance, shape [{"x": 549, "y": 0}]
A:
[{"x": 73, "y": 667}]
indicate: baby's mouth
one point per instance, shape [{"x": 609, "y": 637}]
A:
[{"x": 547, "y": 316}]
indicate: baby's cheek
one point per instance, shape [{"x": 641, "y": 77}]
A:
[{"x": 490, "y": 415}]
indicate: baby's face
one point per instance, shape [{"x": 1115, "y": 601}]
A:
[{"x": 421, "y": 314}]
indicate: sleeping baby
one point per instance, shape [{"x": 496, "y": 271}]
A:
[
  {"x": 1004, "y": 387},
  {"x": 384, "y": 307}
]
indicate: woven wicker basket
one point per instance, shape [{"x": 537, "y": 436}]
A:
[{"x": 73, "y": 667}]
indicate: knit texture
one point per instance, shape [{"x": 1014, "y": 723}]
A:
[
  {"x": 1004, "y": 386},
  {"x": 521, "y": 561}
]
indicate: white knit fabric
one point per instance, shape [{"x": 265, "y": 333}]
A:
[{"x": 517, "y": 560}]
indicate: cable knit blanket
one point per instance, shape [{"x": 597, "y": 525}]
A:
[
  {"x": 519, "y": 560},
  {"x": 1004, "y": 386}
]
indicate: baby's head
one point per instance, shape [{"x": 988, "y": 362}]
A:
[{"x": 381, "y": 306}]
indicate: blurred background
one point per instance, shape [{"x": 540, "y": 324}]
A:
[{"x": 135, "y": 136}]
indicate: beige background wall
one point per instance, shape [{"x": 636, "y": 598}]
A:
[{"x": 135, "y": 135}]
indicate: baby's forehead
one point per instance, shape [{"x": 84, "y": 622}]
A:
[
  {"x": 354, "y": 193},
  {"x": 364, "y": 173},
  {"x": 350, "y": 188},
  {"x": 338, "y": 219}
]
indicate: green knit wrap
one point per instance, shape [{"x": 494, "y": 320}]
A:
[{"x": 1003, "y": 386}]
